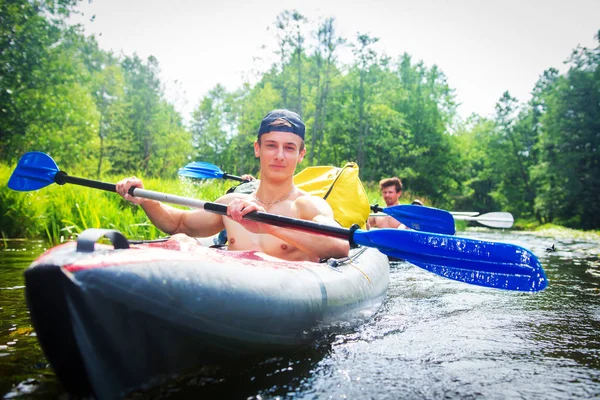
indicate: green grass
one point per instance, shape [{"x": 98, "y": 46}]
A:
[
  {"x": 460, "y": 225},
  {"x": 560, "y": 231}
]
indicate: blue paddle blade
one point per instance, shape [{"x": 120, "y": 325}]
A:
[
  {"x": 421, "y": 218},
  {"x": 201, "y": 170},
  {"x": 34, "y": 171},
  {"x": 490, "y": 264}
]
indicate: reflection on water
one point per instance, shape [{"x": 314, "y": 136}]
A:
[
  {"x": 272, "y": 377},
  {"x": 433, "y": 338},
  {"x": 23, "y": 367}
]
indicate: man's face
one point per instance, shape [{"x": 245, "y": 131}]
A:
[
  {"x": 390, "y": 196},
  {"x": 279, "y": 153}
]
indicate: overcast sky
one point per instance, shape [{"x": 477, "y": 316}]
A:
[{"x": 483, "y": 47}]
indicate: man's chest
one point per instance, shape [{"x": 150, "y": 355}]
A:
[{"x": 241, "y": 239}]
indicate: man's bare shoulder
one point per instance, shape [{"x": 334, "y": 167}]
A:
[
  {"x": 307, "y": 199},
  {"x": 312, "y": 206}
]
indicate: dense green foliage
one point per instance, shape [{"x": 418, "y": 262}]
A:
[
  {"x": 97, "y": 114},
  {"x": 92, "y": 112}
]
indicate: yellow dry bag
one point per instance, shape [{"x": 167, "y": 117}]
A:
[{"x": 341, "y": 188}]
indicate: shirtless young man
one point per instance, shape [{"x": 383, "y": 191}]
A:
[
  {"x": 391, "y": 190},
  {"x": 280, "y": 147}
]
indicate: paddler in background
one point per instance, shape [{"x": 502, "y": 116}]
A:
[
  {"x": 391, "y": 191},
  {"x": 279, "y": 147}
]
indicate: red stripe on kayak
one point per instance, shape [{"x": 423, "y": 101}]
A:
[{"x": 173, "y": 252}]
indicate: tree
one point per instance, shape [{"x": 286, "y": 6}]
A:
[
  {"x": 569, "y": 172},
  {"x": 290, "y": 40},
  {"x": 477, "y": 176},
  {"x": 38, "y": 65},
  {"x": 210, "y": 127},
  {"x": 324, "y": 71},
  {"x": 150, "y": 135},
  {"x": 428, "y": 106},
  {"x": 108, "y": 93},
  {"x": 365, "y": 57},
  {"x": 513, "y": 154}
]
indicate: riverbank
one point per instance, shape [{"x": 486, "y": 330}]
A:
[{"x": 558, "y": 231}]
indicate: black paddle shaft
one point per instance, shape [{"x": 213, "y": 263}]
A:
[
  {"x": 286, "y": 222},
  {"x": 234, "y": 178},
  {"x": 376, "y": 208},
  {"x": 62, "y": 177}
]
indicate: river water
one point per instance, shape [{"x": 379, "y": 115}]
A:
[{"x": 433, "y": 338}]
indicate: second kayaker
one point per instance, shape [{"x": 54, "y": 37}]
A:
[
  {"x": 279, "y": 147},
  {"x": 391, "y": 191}
]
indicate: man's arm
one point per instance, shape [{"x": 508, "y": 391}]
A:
[
  {"x": 371, "y": 222},
  {"x": 194, "y": 223},
  {"x": 171, "y": 220}
]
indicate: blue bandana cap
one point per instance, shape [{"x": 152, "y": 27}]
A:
[{"x": 278, "y": 120}]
